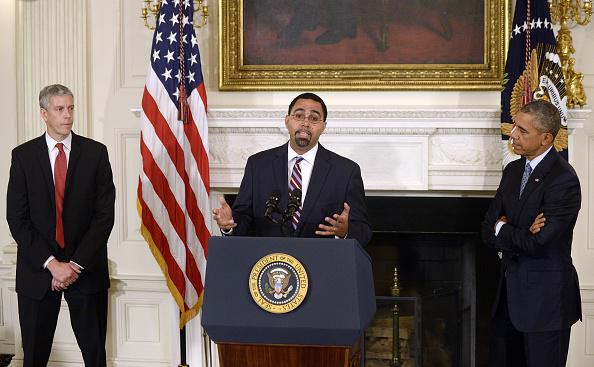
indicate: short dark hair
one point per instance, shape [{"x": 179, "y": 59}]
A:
[
  {"x": 313, "y": 97},
  {"x": 51, "y": 91},
  {"x": 546, "y": 115}
]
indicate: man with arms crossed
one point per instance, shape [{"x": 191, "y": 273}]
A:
[
  {"x": 531, "y": 221},
  {"x": 333, "y": 199},
  {"x": 60, "y": 210}
]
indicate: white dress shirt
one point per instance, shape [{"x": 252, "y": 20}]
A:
[
  {"x": 533, "y": 163},
  {"x": 53, "y": 151},
  {"x": 306, "y": 167}
]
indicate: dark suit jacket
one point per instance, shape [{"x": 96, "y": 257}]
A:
[
  {"x": 542, "y": 283},
  {"x": 334, "y": 181},
  {"x": 88, "y": 214}
]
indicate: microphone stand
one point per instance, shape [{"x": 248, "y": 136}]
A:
[{"x": 272, "y": 206}]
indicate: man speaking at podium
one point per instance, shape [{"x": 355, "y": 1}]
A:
[{"x": 322, "y": 192}]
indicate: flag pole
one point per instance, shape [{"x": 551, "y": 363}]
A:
[{"x": 182, "y": 347}]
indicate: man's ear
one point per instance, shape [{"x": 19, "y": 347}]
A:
[
  {"x": 548, "y": 139},
  {"x": 43, "y": 113}
]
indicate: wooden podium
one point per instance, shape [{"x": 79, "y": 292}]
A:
[
  {"x": 324, "y": 330},
  {"x": 269, "y": 355}
]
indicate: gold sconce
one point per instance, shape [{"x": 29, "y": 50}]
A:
[
  {"x": 568, "y": 13},
  {"x": 150, "y": 12}
]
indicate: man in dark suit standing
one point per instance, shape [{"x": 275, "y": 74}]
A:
[
  {"x": 531, "y": 221},
  {"x": 333, "y": 197},
  {"x": 60, "y": 210}
]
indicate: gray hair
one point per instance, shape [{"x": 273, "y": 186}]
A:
[
  {"x": 51, "y": 91},
  {"x": 546, "y": 115}
]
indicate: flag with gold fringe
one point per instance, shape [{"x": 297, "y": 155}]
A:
[{"x": 173, "y": 187}]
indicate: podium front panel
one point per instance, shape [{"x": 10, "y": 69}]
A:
[{"x": 339, "y": 304}]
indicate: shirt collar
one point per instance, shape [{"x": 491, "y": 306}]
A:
[
  {"x": 309, "y": 156},
  {"x": 51, "y": 143},
  {"x": 534, "y": 162}
]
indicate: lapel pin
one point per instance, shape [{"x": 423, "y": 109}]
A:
[{"x": 537, "y": 179}]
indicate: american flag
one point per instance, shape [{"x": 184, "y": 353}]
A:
[
  {"x": 174, "y": 185},
  {"x": 532, "y": 71}
]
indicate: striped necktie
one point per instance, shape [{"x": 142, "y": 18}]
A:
[
  {"x": 525, "y": 177},
  {"x": 295, "y": 183}
]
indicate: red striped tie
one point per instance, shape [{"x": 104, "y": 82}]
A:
[
  {"x": 60, "y": 186},
  {"x": 295, "y": 183}
]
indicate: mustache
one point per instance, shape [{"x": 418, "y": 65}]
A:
[{"x": 307, "y": 131}]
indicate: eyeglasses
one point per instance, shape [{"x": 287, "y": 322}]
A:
[{"x": 311, "y": 118}]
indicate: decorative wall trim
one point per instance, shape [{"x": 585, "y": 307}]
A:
[
  {"x": 51, "y": 48},
  {"x": 133, "y": 45},
  {"x": 590, "y": 190},
  {"x": 461, "y": 147},
  {"x": 428, "y": 113},
  {"x": 588, "y": 320},
  {"x": 131, "y": 340},
  {"x": 126, "y": 166}
]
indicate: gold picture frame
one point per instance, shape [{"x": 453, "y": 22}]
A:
[{"x": 238, "y": 43}]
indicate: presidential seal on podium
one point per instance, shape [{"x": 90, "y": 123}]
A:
[{"x": 278, "y": 283}]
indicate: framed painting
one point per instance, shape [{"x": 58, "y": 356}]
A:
[{"x": 362, "y": 45}]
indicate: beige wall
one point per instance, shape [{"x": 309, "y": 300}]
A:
[
  {"x": 582, "y": 157},
  {"x": 107, "y": 66},
  {"x": 7, "y": 102}
]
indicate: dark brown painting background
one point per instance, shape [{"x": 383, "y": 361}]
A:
[{"x": 419, "y": 32}]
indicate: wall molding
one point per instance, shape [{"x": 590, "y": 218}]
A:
[{"x": 51, "y": 48}]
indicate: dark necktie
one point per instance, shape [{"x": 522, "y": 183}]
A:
[
  {"x": 525, "y": 177},
  {"x": 295, "y": 183},
  {"x": 60, "y": 186}
]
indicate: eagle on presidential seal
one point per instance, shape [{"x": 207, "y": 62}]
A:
[
  {"x": 541, "y": 79},
  {"x": 278, "y": 283}
]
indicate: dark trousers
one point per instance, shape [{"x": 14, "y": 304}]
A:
[
  {"x": 512, "y": 348},
  {"x": 88, "y": 317}
]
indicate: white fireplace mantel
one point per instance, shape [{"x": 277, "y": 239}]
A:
[{"x": 404, "y": 149}]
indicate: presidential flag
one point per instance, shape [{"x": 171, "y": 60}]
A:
[
  {"x": 173, "y": 187},
  {"x": 532, "y": 71}
]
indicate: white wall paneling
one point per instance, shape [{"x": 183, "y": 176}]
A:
[
  {"x": 581, "y": 351},
  {"x": 52, "y": 48},
  {"x": 127, "y": 167},
  {"x": 589, "y": 188},
  {"x": 134, "y": 45},
  {"x": 140, "y": 314},
  {"x": 431, "y": 143}
]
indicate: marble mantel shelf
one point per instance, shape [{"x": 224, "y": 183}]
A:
[{"x": 400, "y": 149}]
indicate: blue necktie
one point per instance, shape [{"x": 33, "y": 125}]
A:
[{"x": 525, "y": 177}]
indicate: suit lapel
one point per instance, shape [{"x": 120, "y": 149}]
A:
[
  {"x": 537, "y": 176},
  {"x": 320, "y": 171},
  {"x": 281, "y": 175},
  {"x": 46, "y": 167},
  {"x": 72, "y": 161}
]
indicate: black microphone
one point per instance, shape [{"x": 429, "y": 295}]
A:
[
  {"x": 294, "y": 203},
  {"x": 272, "y": 205}
]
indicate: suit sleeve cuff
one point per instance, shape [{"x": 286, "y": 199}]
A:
[
  {"x": 48, "y": 261},
  {"x": 77, "y": 264},
  {"x": 498, "y": 228},
  {"x": 342, "y": 238}
]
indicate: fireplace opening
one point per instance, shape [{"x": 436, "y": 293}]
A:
[{"x": 446, "y": 281}]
